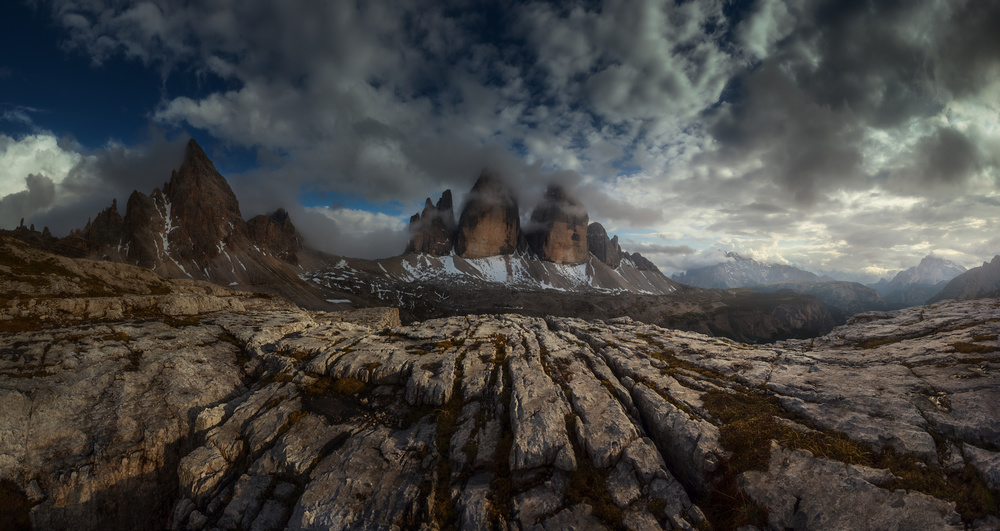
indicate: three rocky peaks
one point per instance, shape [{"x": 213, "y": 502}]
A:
[
  {"x": 490, "y": 225},
  {"x": 192, "y": 227}
]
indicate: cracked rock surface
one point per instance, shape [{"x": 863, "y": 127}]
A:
[{"x": 277, "y": 418}]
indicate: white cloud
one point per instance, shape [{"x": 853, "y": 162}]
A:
[
  {"x": 361, "y": 222},
  {"x": 38, "y": 154},
  {"x": 770, "y": 22},
  {"x": 355, "y": 233}
]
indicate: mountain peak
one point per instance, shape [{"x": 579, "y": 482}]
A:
[
  {"x": 931, "y": 270},
  {"x": 560, "y": 228},
  {"x": 432, "y": 230},
  {"x": 490, "y": 222},
  {"x": 193, "y": 154}
]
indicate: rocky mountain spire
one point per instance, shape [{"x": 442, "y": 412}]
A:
[
  {"x": 433, "y": 230},
  {"x": 604, "y": 249},
  {"x": 490, "y": 223},
  {"x": 276, "y": 233},
  {"x": 107, "y": 226},
  {"x": 559, "y": 228},
  {"x": 204, "y": 210}
]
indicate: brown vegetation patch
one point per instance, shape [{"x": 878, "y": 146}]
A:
[
  {"x": 973, "y": 348},
  {"x": 748, "y": 423},
  {"x": 325, "y": 386},
  {"x": 178, "y": 322},
  {"x": 587, "y": 484}
]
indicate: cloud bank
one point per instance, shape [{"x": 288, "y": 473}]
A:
[{"x": 831, "y": 135}]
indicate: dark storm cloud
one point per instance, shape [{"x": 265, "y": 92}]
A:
[
  {"x": 803, "y": 147},
  {"x": 945, "y": 158},
  {"x": 760, "y": 122},
  {"x": 119, "y": 169},
  {"x": 850, "y": 68},
  {"x": 969, "y": 50}
]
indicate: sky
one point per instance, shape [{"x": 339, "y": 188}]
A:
[{"x": 845, "y": 137}]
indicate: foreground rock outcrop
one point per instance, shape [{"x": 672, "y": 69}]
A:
[{"x": 265, "y": 416}]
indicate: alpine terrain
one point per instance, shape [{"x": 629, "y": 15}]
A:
[{"x": 134, "y": 401}]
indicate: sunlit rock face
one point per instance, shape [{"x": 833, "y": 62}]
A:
[
  {"x": 433, "y": 230},
  {"x": 490, "y": 223},
  {"x": 559, "y": 228}
]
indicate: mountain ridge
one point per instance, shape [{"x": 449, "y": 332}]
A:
[{"x": 741, "y": 272}]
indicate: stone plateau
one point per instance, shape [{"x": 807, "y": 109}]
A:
[{"x": 215, "y": 409}]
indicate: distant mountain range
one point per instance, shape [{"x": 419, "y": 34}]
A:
[
  {"x": 911, "y": 287},
  {"x": 740, "y": 272},
  {"x": 919, "y": 283}
]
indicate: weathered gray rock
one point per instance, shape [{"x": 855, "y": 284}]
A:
[
  {"x": 796, "y": 488},
  {"x": 271, "y": 417},
  {"x": 986, "y": 462}
]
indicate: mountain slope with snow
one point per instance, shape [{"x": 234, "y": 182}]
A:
[{"x": 740, "y": 271}]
